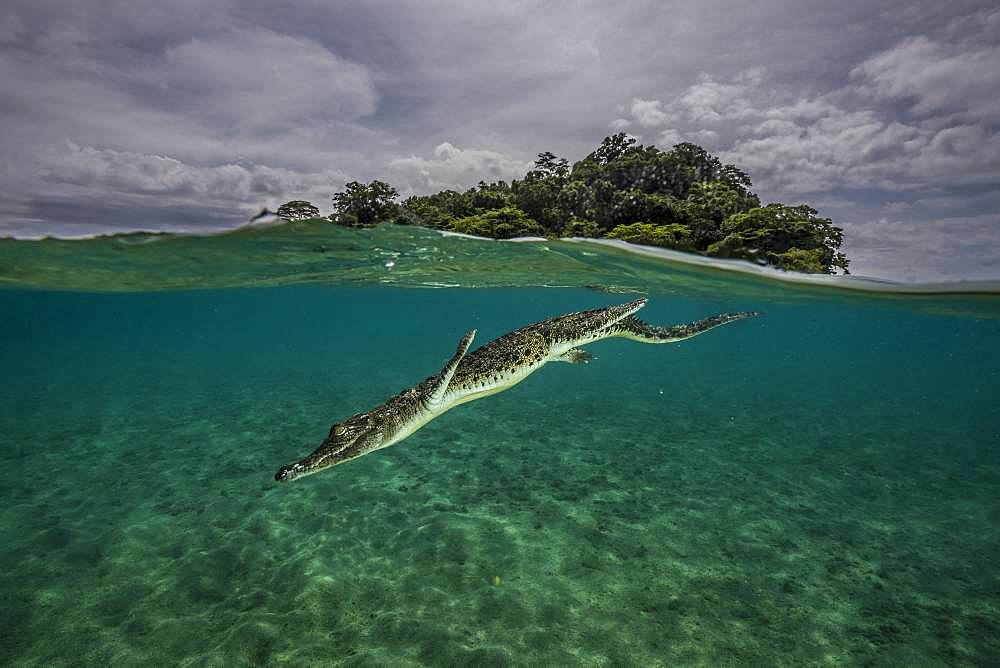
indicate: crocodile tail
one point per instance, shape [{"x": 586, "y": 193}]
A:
[{"x": 637, "y": 330}]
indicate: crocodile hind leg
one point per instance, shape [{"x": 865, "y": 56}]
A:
[{"x": 574, "y": 356}]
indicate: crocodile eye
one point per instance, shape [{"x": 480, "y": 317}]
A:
[{"x": 337, "y": 430}]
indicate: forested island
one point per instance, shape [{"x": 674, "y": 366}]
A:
[{"x": 684, "y": 198}]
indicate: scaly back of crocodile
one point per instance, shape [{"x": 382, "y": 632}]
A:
[{"x": 505, "y": 361}]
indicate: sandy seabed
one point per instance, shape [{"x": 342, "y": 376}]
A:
[{"x": 590, "y": 516}]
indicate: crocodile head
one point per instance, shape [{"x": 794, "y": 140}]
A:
[{"x": 347, "y": 440}]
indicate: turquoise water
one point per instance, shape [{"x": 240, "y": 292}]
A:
[{"x": 819, "y": 486}]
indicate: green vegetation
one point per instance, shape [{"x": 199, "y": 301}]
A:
[
  {"x": 363, "y": 205},
  {"x": 790, "y": 237},
  {"x": 297, "y": 210},
  {"x": 684, "y": 198},
  {"x": 506, "y": 223},
  {"x": 673, "y": 235}
]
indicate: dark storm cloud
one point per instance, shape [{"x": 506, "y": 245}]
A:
[{"x": 160, "y": 115}]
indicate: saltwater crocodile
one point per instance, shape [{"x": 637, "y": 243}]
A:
[{"x": 495, "y": 367}]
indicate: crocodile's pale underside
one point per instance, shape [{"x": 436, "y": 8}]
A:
[{"x": 495, "y": 367}]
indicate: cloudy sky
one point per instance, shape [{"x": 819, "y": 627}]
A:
[{"x": 191, "y": 115}]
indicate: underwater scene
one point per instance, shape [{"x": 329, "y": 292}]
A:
[{"x": 816, "y": 486}]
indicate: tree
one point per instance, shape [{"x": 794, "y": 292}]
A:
[
  {"x": 790, "y": 237},
  {"x": 440, "y": 209},
  {"x": 489, "y": 196},
  {"x": 614, "y": 148},
  {"x": 506, "y": 223},
  {"x": 538, "y": 194},
  {"x": 548, "y": 165},
  {"x": 635, "y": 205},
  {"x": 625, "y": 180},
  {"x": 363, "y": 205},
  {"x": 297, "y": 210},
  {"x": 671, "y": 236},
  {"x": 576, "y": 201},
  {"x": 708, "y": 204},
  {"x": 580, "y": 228}
]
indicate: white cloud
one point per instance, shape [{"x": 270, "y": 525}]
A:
[
  {"x": 648, "y": 113},
  {"x": 896, "y": 207},
  {"x": 944, "y": 249},
  {"x": 670, "y": 137},
  {"x": 453, "y": 168},
  {"x": 159, "y": 181},
  {"x": 795, "y": 146},
  {"x": 935, "y": 77},
  {"x": 710, "y": 101},
  {"x": 256, "y": 79}
]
